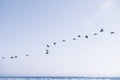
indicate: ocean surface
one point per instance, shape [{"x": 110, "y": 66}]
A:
[{"x": 59, "y": 78}]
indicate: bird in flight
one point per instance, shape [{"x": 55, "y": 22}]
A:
[
  {"x": 48, "y": 45},
  {"x": 112, "y": 32},
  {"x": 79, "y": 36},
  {"x": 54, "y": 43},
  {"x": 15, "y": 56},
  {"x": 12, "y": 57},
  {"x": 3, "y": 57},
  {"x": 101, "y": 30},
  {"x": 95, "y": 34},
  {"x": 86, "y": 36},
  {"x": 74, "y": 38},
  {"x": 63, "y": 40},
  {"x": 27, "y": 55},
  {"x": 47, "y": 51}
]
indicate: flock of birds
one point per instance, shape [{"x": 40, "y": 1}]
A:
[{"x": 47, "y": 50}]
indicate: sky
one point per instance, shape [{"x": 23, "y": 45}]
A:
[{"x": 26, "y": 26}]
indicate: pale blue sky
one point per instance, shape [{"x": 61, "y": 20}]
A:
[{"x": 26, "y": 26}]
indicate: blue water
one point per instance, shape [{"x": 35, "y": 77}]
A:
[{"x": 59, "y": 78}]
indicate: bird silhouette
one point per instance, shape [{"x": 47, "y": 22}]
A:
[
  {"x": 16, "y": 56},
  {"x": 95, "y": 34},
  {"x": 74, "y": 38},
  {"x": 112, "y": 32},
  {"x": 3, "y": 57},
  {"x": 101, "y": 30},
  {"x": 63, "y": 40},
  {"x": 86, "y": 36},
  {"x": 47, "y": 51},
  {"x": 48, "y": 45},
  {"x": 79, "y": 36},
  {"x": 27, "y": 55},
  {"x": 12, "y": 57},
  {"x": 54, "y": 43}
]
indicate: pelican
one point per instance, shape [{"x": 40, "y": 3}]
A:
[
  {"x": 95, "y": 34},
  {"x": 15, "y": 56},
  {"x": 63, "y": 40},
  {"x": 101, "y": 30},
  {"x": 112, "y": 32},
  {"x": 47, "y": 51},
  {"x": 12, "y": 57},
  {"x": 79, "y": 36},
  {"x": 86, "y": 36},
  {"x": 3, "y": 57},
  {"x": 48, "y": 45},
  {"x": 27, "y": 55},
  {"x": 54, "y": 43}
]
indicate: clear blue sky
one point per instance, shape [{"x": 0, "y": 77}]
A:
[{"x": 26, "y": 26}]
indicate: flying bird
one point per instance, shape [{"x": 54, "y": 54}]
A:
[
  {"x": 63, "y": 40},
  {"x": 54, "y": 43},
  {"x": 3, "y": 57},
  {"x": 74, "y": 38},
  {"x": 47, "y": 51},
  {"x": 95, "y": 34},
  {"x": 112, "y": 32},
  {"x": 48, "y": 45},
  {"x": 15, "y": 56},
  {"x": 12, "y": 57},
  {"x": 79, "y": 36},
  {"x": 86, "y": 36},
  {"x": 101, "y": 30},
  {"x": 27, "y": 55}
]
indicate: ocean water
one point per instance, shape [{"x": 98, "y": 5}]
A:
[{"x": 59, "y": 78}]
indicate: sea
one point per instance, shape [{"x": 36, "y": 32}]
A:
[{"x": 59, "y": 78}]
